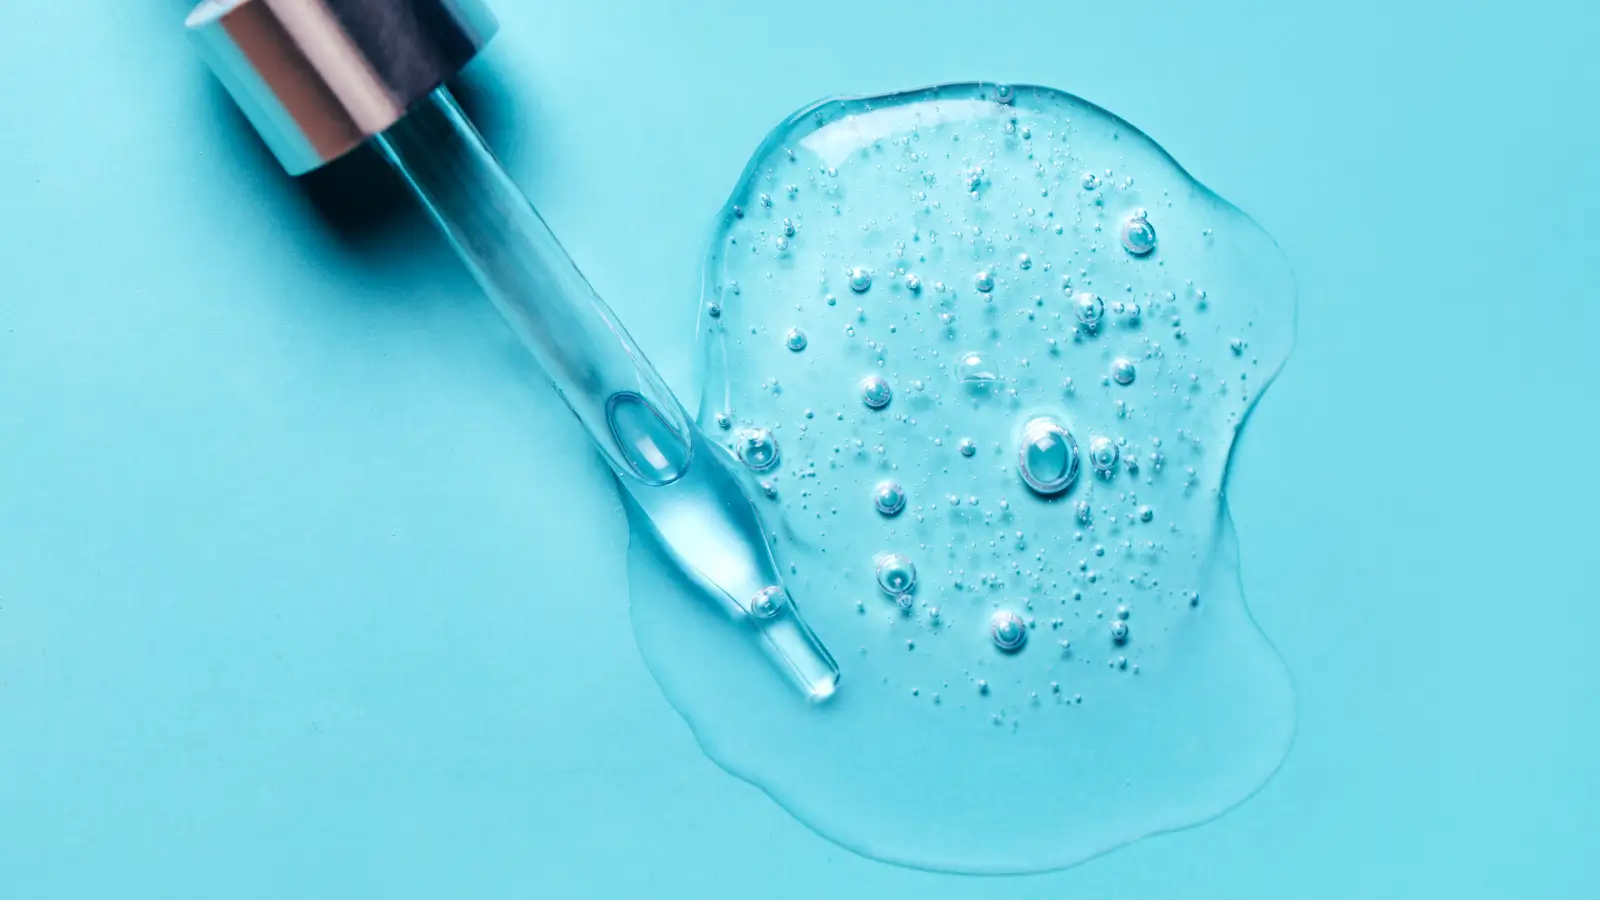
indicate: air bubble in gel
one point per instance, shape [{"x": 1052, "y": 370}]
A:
[{"x": 1068, "y": 653}]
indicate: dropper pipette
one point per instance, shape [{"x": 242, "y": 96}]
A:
[{"x": 320, "y": 77}]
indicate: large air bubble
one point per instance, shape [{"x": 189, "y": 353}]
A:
[{"x": 1044, "y": 655}]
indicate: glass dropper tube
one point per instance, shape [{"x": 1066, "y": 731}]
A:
[{"x": 698, "y": 505}]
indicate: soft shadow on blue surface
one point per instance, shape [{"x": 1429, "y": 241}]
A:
[{"x": 359, "y": 199}]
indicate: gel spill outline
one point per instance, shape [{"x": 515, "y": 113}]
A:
[{"x": 994, "y": 464}]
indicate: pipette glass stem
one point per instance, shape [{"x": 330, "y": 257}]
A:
[{"x": 699, "y": 506}]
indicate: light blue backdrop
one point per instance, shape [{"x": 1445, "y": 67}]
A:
[{"x": 309, "y": 588}]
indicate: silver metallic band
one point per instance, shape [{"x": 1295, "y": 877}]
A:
[{"x": 318, "y": 77}]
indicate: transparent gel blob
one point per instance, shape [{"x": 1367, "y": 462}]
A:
[{"x": 1076, "y": 667}]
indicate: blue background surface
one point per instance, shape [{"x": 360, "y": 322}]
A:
[{"x": 309, "y": 587}]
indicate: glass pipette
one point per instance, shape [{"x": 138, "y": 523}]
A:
[{"x": 320, "y": 77}]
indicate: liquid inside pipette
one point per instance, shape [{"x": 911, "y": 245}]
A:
[
  {"x": 708, "y": 525},
  {"x": 698, "y": 506}
]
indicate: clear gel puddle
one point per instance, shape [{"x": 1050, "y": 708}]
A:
[{"x": 1027, "y": 341}]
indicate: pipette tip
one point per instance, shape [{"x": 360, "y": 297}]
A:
[{"x": 796, "y": 650}]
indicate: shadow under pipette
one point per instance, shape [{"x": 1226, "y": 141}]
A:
[{"x": 359, "y": 196}]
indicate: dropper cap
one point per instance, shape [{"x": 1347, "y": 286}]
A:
[{"x": 319, "y": 77}]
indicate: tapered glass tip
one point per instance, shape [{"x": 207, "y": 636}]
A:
[{"x": 794, "y": 647}]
